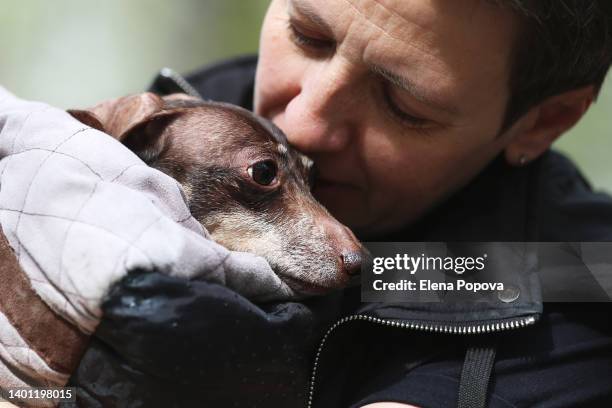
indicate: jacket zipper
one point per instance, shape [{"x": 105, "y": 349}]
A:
[
  {"x": 179, "y": 81},
  {"x": 446, "y": 328}
]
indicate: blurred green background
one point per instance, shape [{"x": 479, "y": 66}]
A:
[{"x": 74, "y": 53}]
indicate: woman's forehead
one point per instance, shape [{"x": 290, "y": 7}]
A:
[
  {"x": 433, "y": 26},
  {"x": 451, "y": 44}
]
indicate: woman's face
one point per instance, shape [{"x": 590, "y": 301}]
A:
[{"x": 398, "y": 102}]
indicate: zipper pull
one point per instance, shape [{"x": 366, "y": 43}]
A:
[{"x": 168, "y": 81}]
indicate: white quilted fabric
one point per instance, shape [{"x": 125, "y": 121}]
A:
[{"x": 80, "y": 211}]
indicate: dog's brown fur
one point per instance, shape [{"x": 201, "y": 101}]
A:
[{"x": 208, "y": 148}]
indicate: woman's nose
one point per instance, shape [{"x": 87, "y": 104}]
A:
[{"x": 320, "y": 118}]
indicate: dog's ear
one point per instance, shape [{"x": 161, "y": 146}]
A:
[
  {"x": 117, "y": 116},
  {"x": 87, "y": 117},
  {"x": 148, "y": 138},
  {"x": 137, "y": 121}
]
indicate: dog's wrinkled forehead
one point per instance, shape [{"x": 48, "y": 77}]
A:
[
  {"x": 262, "y": 127},
  {"x": 283, "y": 146}
]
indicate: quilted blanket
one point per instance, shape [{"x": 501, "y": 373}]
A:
[{"x": 79, "y": 212}]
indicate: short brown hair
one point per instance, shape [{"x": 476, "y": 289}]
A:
[{"x": 563, "y": 45}]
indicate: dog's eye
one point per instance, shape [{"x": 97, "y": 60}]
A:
[{"x": 263, "y": 172}]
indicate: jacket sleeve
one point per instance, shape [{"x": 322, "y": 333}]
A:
[{"x": 165, "y": 341}]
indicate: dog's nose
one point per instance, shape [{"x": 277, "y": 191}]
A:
[
  {"x": 351, "y": 263},
  {"x": 347, "y": 250}
]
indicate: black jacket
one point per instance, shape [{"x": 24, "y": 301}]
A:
[{"x": 199, "y": 344}]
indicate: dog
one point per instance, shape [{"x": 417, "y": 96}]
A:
[{"x": 241, "y": 180}]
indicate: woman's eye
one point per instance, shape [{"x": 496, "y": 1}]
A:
[
  {"x": 263, "y": 172},
  {"x": 307, "y": 41},
  {"x": 403, "y": 116}
]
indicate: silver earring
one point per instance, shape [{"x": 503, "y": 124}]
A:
[{"x": 522, "y": 160}]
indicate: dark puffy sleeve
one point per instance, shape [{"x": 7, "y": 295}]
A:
[{"x": 172, "y": 342}]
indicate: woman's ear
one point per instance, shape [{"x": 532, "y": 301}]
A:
[{"x": 536, "y": 131}]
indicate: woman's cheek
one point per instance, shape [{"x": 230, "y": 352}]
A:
[{"x": 279, "y": 76}]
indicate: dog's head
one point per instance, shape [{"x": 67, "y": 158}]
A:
[{"x": 242, "y": 182}]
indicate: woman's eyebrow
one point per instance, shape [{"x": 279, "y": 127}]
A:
[
  {"x": 413, "y": 89},
  {"x": 306, "y": 10}
]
